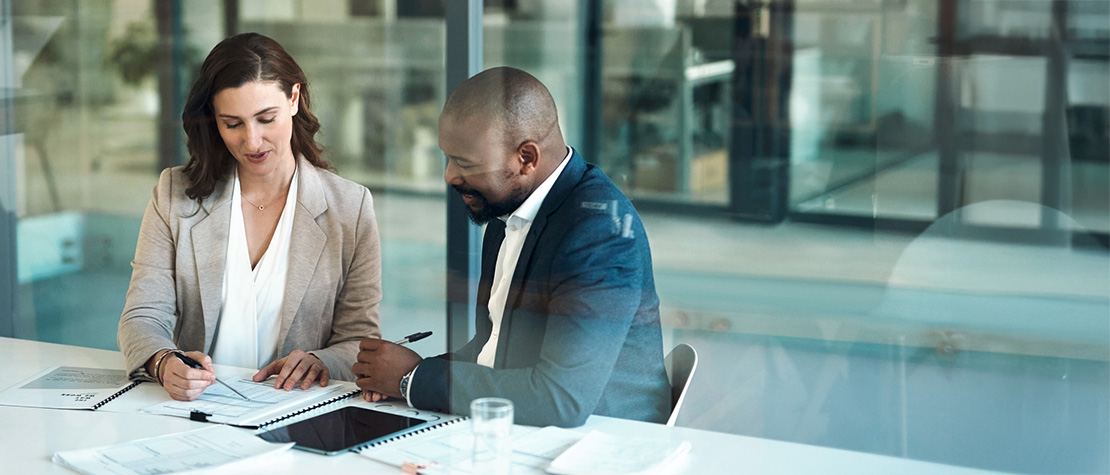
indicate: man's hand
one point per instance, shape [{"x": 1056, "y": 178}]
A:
[
  {"x": 380, "y": 367},
  {"x": 184, "y": 383},
  {"x": 297, "y": 367},
  {"x": 371, "y": 396}
]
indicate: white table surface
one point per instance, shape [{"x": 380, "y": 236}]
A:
[{"x": 29, "y": 436}]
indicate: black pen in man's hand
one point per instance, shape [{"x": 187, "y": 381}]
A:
[
  {"x": 195, "y": 364},
  {"x": 413, "y": 338}
]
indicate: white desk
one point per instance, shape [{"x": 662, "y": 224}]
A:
[{"x": 29, "y": 436}]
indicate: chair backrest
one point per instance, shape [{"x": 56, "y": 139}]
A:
[{"x": 680, "y": 364}]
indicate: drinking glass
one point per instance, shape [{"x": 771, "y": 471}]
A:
[{"x": 491, "y": 420}]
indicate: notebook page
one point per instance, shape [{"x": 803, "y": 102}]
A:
[
  {"x": 448, "y": 449},
  {"x": 266, "y": 403}
]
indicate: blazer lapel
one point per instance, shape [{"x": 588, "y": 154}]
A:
[
  {"x": 566, "y": 182},
  {"x": 305, "y": 245},
  {"x": 569, "y": 178},
  {"x": 211, "y": 257}
]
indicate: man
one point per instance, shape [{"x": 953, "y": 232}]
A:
[{"x": 568, "y": 318}]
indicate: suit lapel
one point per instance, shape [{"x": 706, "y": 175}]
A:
[
  {"x": 210, "y": 257},
  {"x": 559, "y": 192},
  {"x": 305, "y": 246},
  {"x": 566, "y": 182}
]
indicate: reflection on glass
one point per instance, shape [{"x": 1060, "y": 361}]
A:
[
  {"x": 981, "y": 128},
  {"x": 976, "y": 339},
  {"x": 666, "y": 79},
  {"x": 95, "y": 84},
  {"x": 86, "y": 163},
  {"x": 378, "y": 86}
]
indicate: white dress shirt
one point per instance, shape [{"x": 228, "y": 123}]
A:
[{"x": 250, "y": 317}]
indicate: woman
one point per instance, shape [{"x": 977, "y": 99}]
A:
[{"x": 253, "y": 254}]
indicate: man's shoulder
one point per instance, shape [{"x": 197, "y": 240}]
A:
[
  {"x": 596, "y": 193},
  {"x": 595, "y": 208},
  {"x": 595, "y": 187}
]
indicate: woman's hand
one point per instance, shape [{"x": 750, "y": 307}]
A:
[
  {"x": 184, "y": 383},
  {"x": 298, "y": 367}
]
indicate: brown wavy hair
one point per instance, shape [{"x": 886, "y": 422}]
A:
[{"x": 235, "y": 61}]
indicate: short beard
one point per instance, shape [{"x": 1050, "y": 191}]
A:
[{"x": 490, "y": 210}]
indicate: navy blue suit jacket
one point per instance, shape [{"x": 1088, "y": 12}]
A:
[{"x": 580, "y": 334}]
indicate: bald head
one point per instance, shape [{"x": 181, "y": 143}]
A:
[
  {"x": 500, "y": 134},
  {"x": 512, "y": 102}
]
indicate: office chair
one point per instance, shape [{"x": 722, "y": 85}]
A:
[{"x": 680, "y": 364}]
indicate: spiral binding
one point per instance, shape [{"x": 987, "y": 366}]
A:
[
  {"x": 117, "y": 394},
  {"x": 309, "y": 408},
  {"x": 413, "y": 433}
]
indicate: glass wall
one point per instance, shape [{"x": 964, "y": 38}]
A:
[
  {"x": 86, "y": 156},
  {"x": 377, "y": 85},
  {"x": 666, "y": 80},
  {"x": 98, "y": 109},
  {"x": 881, "y": 223}
]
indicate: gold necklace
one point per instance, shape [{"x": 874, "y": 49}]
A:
[{"x": 260, "y": 208}]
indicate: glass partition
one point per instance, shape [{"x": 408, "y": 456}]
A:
[
  {"x": 881, "y": 223},
  {"x": 99, "y": 109},
  {"x": 666, "y": 83},
  {"x": 378, "y": 84},
  {"x": 86, "y": 159}
]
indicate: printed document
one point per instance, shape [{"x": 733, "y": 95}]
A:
[
  {"x": 448, "y": 448},
  {"x": 194, "y": 450},
  {"x": 68, "y": 387},
  {"x": 266, "y": 404}
]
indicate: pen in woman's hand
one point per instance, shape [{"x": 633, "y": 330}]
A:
[
  {"x": 196, "y": 364},
  {"x": 413, "y": 338}
]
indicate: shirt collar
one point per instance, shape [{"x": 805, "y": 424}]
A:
[{"x": 531, "y": 206}]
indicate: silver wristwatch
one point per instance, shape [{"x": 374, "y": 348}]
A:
[{"x": 405, "y": 386}]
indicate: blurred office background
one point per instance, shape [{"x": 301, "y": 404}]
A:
[{"x": 882, "y": 223}]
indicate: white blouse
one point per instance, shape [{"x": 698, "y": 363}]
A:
[{"x": 250, "y": 317}]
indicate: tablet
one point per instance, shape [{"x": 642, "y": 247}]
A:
[{"x": 345, "y": 429}]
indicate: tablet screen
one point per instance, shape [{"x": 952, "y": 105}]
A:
[{"x": 343, "y": 429}]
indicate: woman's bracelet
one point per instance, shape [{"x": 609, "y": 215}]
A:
[{"x": 158, "y": 365}]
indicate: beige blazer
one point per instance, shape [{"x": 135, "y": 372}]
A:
[{"x": 332, "y": 291}]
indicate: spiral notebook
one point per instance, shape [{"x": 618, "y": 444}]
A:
[
  {"x": 349, "y": 428},
  {"x": 419, "y": 432},
  {"x": 266, "y": 405},
  {"x": 68, "y": 387},
  {"x": 446, "y": 448},
  {"x": 74, "y": 387}
]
